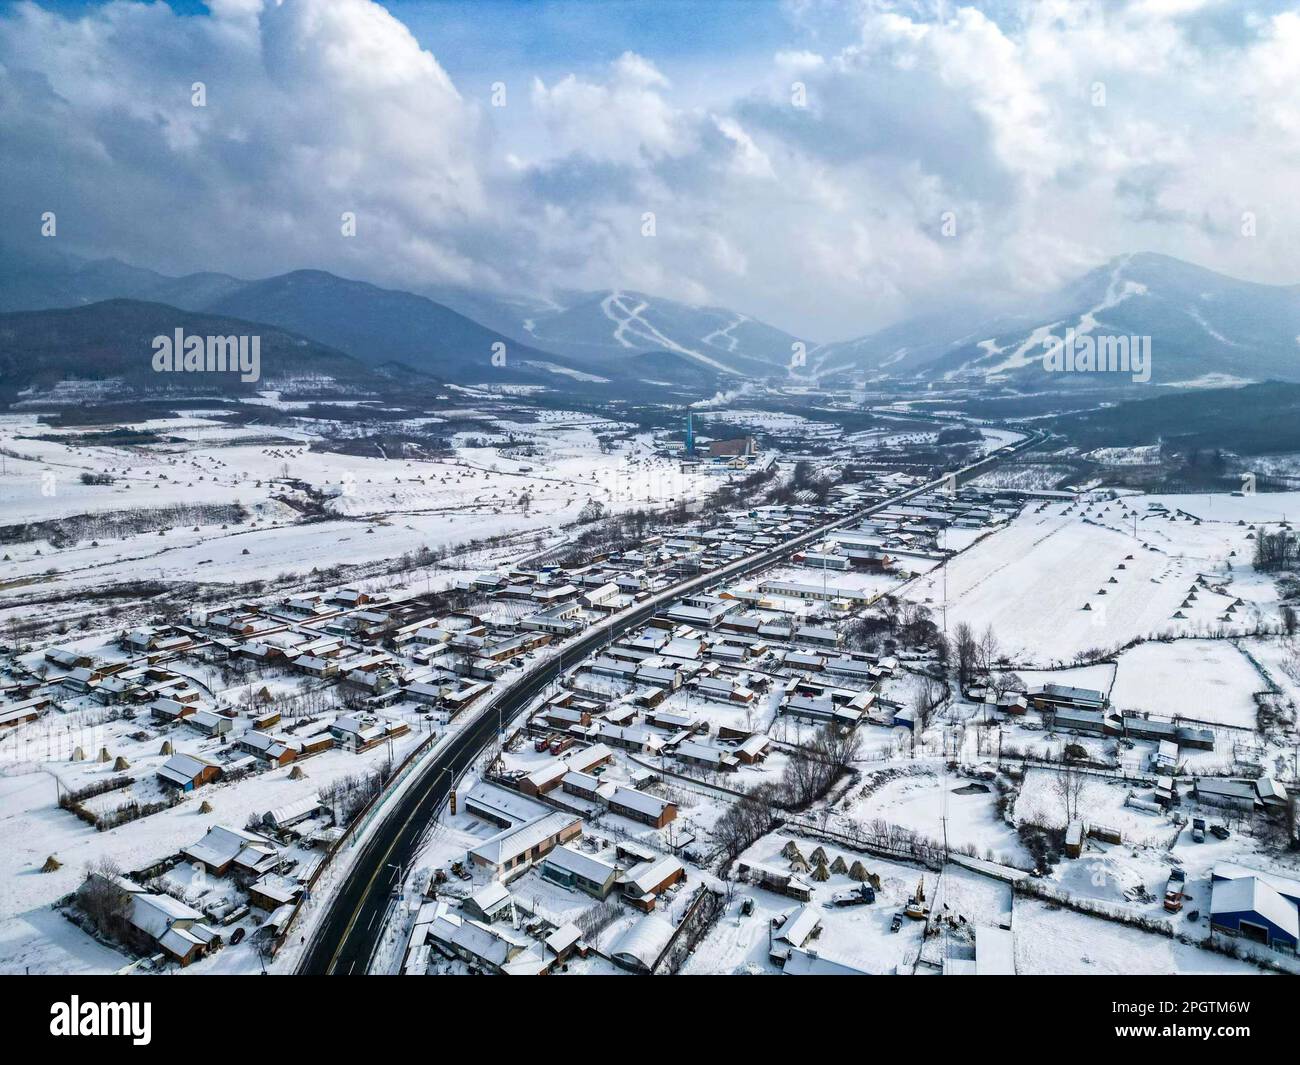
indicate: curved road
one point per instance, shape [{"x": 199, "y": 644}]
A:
[{"x": 346, "y": 937}]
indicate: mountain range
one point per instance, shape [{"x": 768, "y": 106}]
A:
[{"x": 1205, "y": 328}]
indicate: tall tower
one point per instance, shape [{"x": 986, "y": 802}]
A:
[{"x": 690, "y": 435}]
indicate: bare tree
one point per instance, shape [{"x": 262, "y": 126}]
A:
[
  {"x": 925, "y": 700},
  {"x": 967, "y": 650},
  {"x": 987, "y": 652},
  {"x": 1068, "y": 785}
]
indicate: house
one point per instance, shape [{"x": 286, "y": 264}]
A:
[
  {"x": 1016, "y": 703},
  {"x": 544, "y": 779},
  {"x": 720, "y": 689},
  {"x": 361, "y": 732},
  {"x": 517, "y": 846},
  {"x": 709, "y": 757},
  {"x": 565, "y": 941},
  {"x": 1074, "y": 839},
  {"x": 502, "y": 807},
  {"x": 565, "y": 717},
  {"x": 644, "y": 882},
  {"x": 1239, "y": 795},
  {"x": 1048, "y": 696},
  {"x": 573, "y": 868},
  {"x": 82, "y": 679},
  {"x": 271, "y": 891},
  {"x": 753, "y": 749},
  {"x": 1271, "y": 793},
  {"x": 606, "y": 596},
  {"x": 1256, "y": 906},
  {"x": 65, "y": 659},
  {"x": 638, "y": 806},
  {"x": 187, "y": 772},
  {"x": 291, "y": 813},
  {"x": 20, "y": 713},
  {"x": 1164, "y": 758},
  {"x": 492, "y": 903},
  {"x": 818, "y": 636},
  {"x": 775, "y": 880},
  {"x": 268, "y": 748},
  {"x": 796, "y": 929},
  {"x": 209, "y": 724},
  {"x": 487, "y": 946},
  {"x": 1087, "y": 722},
  {"x": 632, "y": 737},
  {"x": 225, "y": 850},
  {"x": 587, "y": 786}
]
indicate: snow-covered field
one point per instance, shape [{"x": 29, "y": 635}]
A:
[
  {"x": 385, "y": 505},
  {"x": 1208, "y": 680},
  {"x": 929, "y": 803},
  {"x": 1033, "y": 580},
  {"x": 1054, "y": 941},
  {"x": 1100, "y": 803}
]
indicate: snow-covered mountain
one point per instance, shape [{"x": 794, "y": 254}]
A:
[
  {"x": 598, "y": 327},
  {"x": 1204, "y": 328}
]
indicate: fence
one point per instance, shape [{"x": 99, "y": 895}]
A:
[{"x": 700, "y": 916}]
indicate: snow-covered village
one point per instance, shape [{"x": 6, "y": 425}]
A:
[
  {"x": 420, "y": 556},
  {"x": 805, "y": 714}
]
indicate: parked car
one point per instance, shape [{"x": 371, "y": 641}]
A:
[
  {"x": 1198, "y": 829},
  {"x": 1219, "y": 831}
]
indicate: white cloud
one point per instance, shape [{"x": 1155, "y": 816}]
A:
[{"x": 823, "y": 219}]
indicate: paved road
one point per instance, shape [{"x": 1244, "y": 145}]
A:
[{"x": 347, "y": 936}]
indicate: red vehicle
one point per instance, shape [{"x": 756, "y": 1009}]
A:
[{"x": 1174, "y": 890}]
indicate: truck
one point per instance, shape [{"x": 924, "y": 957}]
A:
[
  {"x": 862, "y": 895},
  {"x": 1174, "y": 890}
]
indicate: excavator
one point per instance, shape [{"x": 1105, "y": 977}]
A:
[{"x": 916, "y": 908}]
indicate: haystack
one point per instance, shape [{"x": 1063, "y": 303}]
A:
[
  {"x": 121, "y": 765},
  {"x": 819, "y": 857},
  {"x": 166, "y": 748},
  {"x": 52, "y": 865},
  {"x": 205, "y": 807},
  {"x": 839, "y": 866},
  {"x": 798, "y": 865},
  {"x": 858, "y": 872},
  {"x": 296, "y": 773},
  {"x": 821, "y": 874},
  {"x": 104, "y": 756},
  {"x": 78, "y": 755},
  {"x": 790, "y": 850}
]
